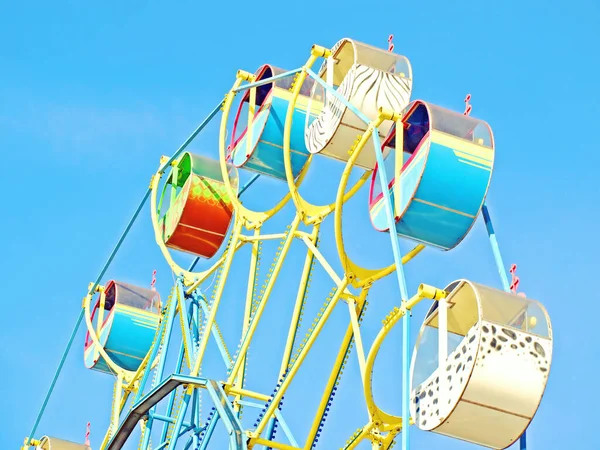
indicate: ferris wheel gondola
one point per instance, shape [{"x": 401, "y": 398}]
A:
[
  {"x": 481, "y": 365},
  {"x": 368, "y": 78},
  {"x": 127, "y": 317},
  {"x": 447, "y": 161},
  {"x": 259, "y": 146},
  {"x": 200, "y": 209}
]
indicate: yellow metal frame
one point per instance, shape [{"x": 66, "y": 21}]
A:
[
  {"x": 309, "y": 212},
  {"x": 382, "y": 427},
  {"x": 361, "y": 276},
  {"x": 377, "y": 416}
]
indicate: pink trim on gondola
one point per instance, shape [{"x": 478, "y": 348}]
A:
[
  {"x": 234, "y": 142},
  {"x": 373, "y": 202},
  {"x": 88, "y": 341}
]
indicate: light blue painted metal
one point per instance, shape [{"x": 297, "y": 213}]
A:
[
  {"x": 195, "y": 418},
  {"x": 503, "y": 278},
  {"x": 279, "y": 416},
  {"x": 155, "y": 349},
  {"x": 162, "y": 418},
  {"x": 202, "y": 302},
  {"x": 169, "y": 419},
  {"x": 205, "y": 440},
  {"x": 179, "y": 422},
  {"x": 387, "y": 198},
  {"x": 406, "y": 381},
  {"x": 248, "y": 184},
  {"x": 403, "y": 292},
  {"x": 168, "y": 320},
  {"x": 168, "y": 331},
  {"x": 495, "y": 248},
  {"x": 339, "y": 96},
  {"x": 173, "y": 394},
  {"x": 230, "y": 420},
  {"x": 286, "y": 428},
  {"x": 186, "y": 334},
  {"x": 264, "y": 81}
]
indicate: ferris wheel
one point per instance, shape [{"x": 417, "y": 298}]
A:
[{"x": 187, "y": 364}]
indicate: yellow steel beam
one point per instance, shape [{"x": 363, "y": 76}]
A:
[
  {"x": 378, "y": 416},
  {"x": 232, "y": 390},
  {"x": 356, "y": 440},
  {"x": 300, "y": 297},
  {"x": 116, "y": 410},
  {"x": 201, "y": 277},
  {"x": 252, "y": 219},
  {"x": 339, "y": 361},
  {"x": 239, "y": 382},
  {"x": 216, "y": 301},
  {"x": 315, "y": 251},
  {"x": 257, "y": 315},
  {"x": 310, "y": 213},
  {"x": 360, "y": 352},
  {"x": 302, "y": 355},
  {"x": 262, "y": 237},
  {"x": 270, "y": 444}
]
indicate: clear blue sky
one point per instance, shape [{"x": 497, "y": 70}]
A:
[{"x": 92, "y": 93}]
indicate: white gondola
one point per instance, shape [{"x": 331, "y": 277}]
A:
[
  {"x": 369, "y": 78},
  {"x": 481, "y": 365}
]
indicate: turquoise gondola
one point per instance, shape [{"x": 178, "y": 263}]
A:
[
  {"x": 447, "y": 161},
  {"x": 259, "y": 147},
  {"x": 129, "y": 317}
]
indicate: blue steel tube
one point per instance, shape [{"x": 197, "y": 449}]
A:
[
  {"x": 339, "y": 96},
  {"x": 209, "y": 431},
  {"x": 177, "y": 370},
  {"x": 403, "y": 291},
  {"x": 179, "y": 423},
  {"x": 168, "y": 322},
  {"x": 148, "y": 369},
  {"x": 503, "y": 277},
  {"x": 169, "y": 329},
  {"x": 405, "y": 380},
  {"x": 159, "y": 369},
  {"x": 171, "y": 402},
  {"x": 495, "y": 248},
  {"x": 266, "y": 80}
]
